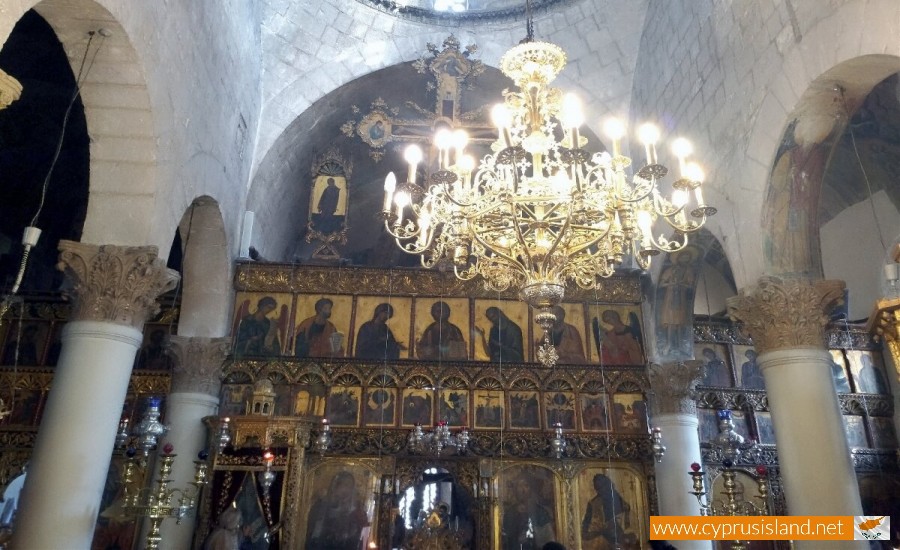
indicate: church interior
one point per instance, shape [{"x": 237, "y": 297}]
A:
[{"x": 418, "y": 274}]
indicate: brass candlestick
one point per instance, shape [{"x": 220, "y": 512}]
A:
[
  {"x": 731, "y": 445},
  {"x": 160, "y": 502}
]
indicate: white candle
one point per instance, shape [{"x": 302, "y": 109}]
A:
[
  {"x": 649, "y": 135},
  {"x": 681, "y": 148},
  {"x": 390, "y": 185},
  {"x": 412, "y": 155}
]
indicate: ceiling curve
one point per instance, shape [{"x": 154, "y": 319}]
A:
[{"x": 477, "y": 10}]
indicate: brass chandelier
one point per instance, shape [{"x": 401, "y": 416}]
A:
[{"x": 540, "y": 210}]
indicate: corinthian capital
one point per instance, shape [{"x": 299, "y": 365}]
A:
[
  {"x": 198, "y": 363},
  {"x": 115, "y": 284},
  {"x": 786, "y": 313},
  {"x": 673, "y": 387},
  {"x": 10, "y": 90}
]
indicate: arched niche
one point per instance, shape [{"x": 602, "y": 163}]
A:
[
  {"x": 813, "y": 130},
  {"x": 696, "y": 279}
]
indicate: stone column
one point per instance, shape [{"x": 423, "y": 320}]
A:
[
  {"x": 114, "y": 290},
  {"x": 206, "y": 289},
  {"x": 195, "y": 394},
  {"x": 674, "y": 411},
  {"x": 787, "y": 318}
]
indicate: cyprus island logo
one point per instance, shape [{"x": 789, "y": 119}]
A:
[{"x": 871, "y": 527}]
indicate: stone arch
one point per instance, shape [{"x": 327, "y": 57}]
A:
[
  {"x": 675, "y": 290},
  {"x": 206, "y": 271},
  {"x": 791, "y": 241},
  {"x": 123, "y": 150}
]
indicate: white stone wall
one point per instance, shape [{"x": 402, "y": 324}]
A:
[
  {"x": 163, "y": 104},
  {"x": 313, "y": 47},
  {"x": 851, "y": 250},
  {"x": 728, "y": 74}
]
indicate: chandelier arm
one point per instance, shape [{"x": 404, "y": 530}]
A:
[
  {"x": 506, "y": 257},
  {"x": 463, "y": 276},
  {"x": 519, "y": 237},
  {"x": 398, "y": 236},
  {"x": 665, "y": 244},
  {"x": 576, "y": 165},
  {"x": 690, "y": 226},
  {"x": 592, "y": 242},
  {"x": 665, "y": 207},
  {"x": 559, "y": 238},
  {"x": 651, "y": 186},
  {"x": 642, "y": 259},
  {"x": 456, "y": 202}
]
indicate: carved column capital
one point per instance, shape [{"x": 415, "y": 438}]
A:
[
  {"x": 198, "y": 363},
  {"x": 673, "y": 385},
  {"x": 884, "y": 325},
  {"x": 10, "y": 90},
  {"x": 786, "y": 313},
  {"x": 115, "y": 284}
]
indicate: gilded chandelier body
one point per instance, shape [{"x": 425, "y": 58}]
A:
[{"x": 540, "y": 210}]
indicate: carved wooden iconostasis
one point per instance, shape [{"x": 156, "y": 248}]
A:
[{"x": 447, "y": 359}]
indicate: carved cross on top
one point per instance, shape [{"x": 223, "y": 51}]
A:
[{"x": 451, "y": 70}]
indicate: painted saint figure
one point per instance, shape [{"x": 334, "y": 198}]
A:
[
  {"x": 504, "y": 342},
  {"x": 566, "y": 339},
  {"x": 375, "y": 340},
  {"x": 527, "y": 523},
  {"x": 751, "y": 377},
  {"x": 600, "y": 526},
  {"x": 317, "y": 336},
  {"x": 716, "y": 370},
  {"x": 676, "y": 294},
  {"x": 441, "y": 339},
  {"x": 337, "y": 518},
  {"x": 376, "y": 131},
  {"x": 621, "y": 344},
  {"x": 870, "y": 378},
  {"x": 257, "y": 334},
  {"x": 841, "y": 383},
  {"x": 328, "y": 220}
]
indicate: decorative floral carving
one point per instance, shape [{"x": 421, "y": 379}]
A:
[
  {"x": 875, "y": 460},
  {"x": 786, "y": 313},
  {"x": 849, "y": 337},
  {"x": 113, "y": 283},
  {"x": 271, "y": 277},
  {"x": 450, "y": 375},
  {"x": 672, "y": 387},
  {"x": 717, "y": 331},
  {"x": 10, "y": 90},
  {"x": 198, "y": 363}
]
